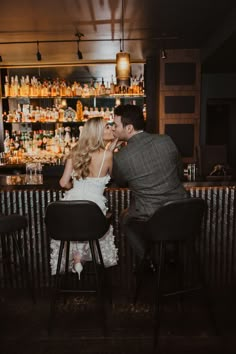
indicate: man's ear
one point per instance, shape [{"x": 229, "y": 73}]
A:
[{"x": 129, "y": 128}]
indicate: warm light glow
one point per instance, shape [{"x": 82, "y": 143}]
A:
[
  {"x": 63, "y": 103},
  {"x": 123, "y": 68}
]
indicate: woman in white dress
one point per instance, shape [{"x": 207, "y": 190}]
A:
[{"x": 86, "y": 174}]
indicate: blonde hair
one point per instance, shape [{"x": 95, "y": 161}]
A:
[{"x": 90, "y": 140}]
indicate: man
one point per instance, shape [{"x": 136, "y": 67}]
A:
[{"x": 149, "y": 165}]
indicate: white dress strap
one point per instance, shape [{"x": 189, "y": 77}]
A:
[{"x": 103, "y": 159}]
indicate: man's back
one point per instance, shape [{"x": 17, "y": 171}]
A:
[{"x": 149, "y": 165}]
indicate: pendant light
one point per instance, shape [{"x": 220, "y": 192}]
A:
[
  {"x": 123, "y": 67},
  {"x": 79, "y": 53},
  {"x": 38, "y": 54}
]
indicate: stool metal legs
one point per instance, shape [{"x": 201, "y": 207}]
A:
[{"x": 64, "y": 288}]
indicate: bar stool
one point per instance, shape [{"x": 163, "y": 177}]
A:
[
  {"x": 176, "y": 223},
  {"x": 80, "y": 221},
  {"x": 11, "y": 227}
]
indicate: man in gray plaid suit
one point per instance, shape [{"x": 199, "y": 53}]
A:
[{"x": 149, "y": 165}]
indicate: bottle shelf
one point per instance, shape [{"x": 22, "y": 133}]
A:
[
  {"x": 48, "y": 122},
  {"x": 78, "y": 97},
  {"x": 43, "y": 118}
]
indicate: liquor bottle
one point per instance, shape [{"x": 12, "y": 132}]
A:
[
  {"x": 7, "y": 142},
  {"x": 11, "y": 146},
  {"x": 112, "y": 86},
  {"x": 22, "y": 86},
  {"x": 141, "y": 85},
  {"x": 4, "y": 117},
  {"x": 107, "y": 114},
  {"x": 67, "y": 137},
  {"x": 85, "y": 113},
  {"x": 17, "y": 142},
  {"x": 91, "y": 113},
  {"x": 18, "y": 114},
  {"x": 6, "y": 87},
  {"x": 44, "y": 140},
  {"x": 145, "y": 111},
  {"x": 102, "y": 112},
  {"x": 27, "y": 86},
  {"x": 16, "y": 86},
  {"x": 96, "y": 112},
  {"x": 79, "y": 110},
  {"x": 107, "y": 89},
  {"x": 92, "y": 90},
  {"x": 102, "y": 88},
  {"x": 67, "y": 148}
]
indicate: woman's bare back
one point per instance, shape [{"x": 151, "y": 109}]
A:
[{"x": 97, "y": 162}]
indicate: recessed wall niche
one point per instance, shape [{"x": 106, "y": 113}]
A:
[
  {"x": 179, "y": 104},
  {"x": 180, "y": 74}
]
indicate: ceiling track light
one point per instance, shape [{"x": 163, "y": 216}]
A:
[
  {"x": 79, "y": 53},
  {"x": 38, "y": 54},
  {"x": 163, "y": 54}
]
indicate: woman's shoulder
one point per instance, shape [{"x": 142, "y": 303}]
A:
[
  {"x": 101, "y": 152},
  {"x": 97, "y": 153}
]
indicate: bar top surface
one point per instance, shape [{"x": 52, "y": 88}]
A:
[{"x": 13, "y": 182}]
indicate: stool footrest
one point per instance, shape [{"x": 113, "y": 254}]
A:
[{"x": 183, "y": 291}]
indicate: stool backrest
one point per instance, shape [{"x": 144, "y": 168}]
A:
[
  {"x": 80, "y": 220},
  {"x": 176, "y": 220}
]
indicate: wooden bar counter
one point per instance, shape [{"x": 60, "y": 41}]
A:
[{"x": 216, "y": 244}]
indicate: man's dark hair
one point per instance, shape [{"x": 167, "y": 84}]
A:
[{"x": 130, "y": 114}]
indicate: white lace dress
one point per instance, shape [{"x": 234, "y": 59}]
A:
[{"x": 91, "y": 188}]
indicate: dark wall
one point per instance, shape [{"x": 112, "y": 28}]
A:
[
  {"x": 152, "y": 79},
  {"x": 218, "y": 112}
]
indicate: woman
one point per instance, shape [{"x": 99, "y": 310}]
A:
[{"x": 86, "y": 174}]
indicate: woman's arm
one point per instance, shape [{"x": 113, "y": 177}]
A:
[{"x": 65, "y": 181}]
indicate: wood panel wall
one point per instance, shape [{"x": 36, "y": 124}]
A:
[{"x": 179, "y": 100}]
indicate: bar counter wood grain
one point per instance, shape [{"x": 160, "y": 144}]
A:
[{"x": 216, "y": 244}]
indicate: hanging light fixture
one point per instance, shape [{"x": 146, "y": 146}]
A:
[
  {"x": 123, "y": 67},
  {"x": 79, "y": 53},
  {"x": 38, "y": 54}
]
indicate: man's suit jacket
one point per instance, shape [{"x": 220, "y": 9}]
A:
[{"x": 149, "y": 166}]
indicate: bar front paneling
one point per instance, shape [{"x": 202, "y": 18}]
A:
[{"x": 216, "y": 244}]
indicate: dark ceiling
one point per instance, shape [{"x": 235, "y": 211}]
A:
[{"x": 148, "y": 25}]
